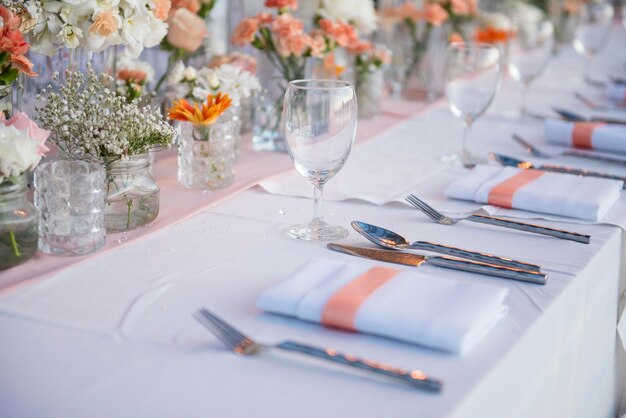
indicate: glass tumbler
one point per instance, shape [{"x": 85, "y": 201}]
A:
[{"x": 70, "y": 197}]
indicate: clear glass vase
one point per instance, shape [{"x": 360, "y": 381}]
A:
[
  {"x": 18, "y": 223},
  {"x": 207, "y": 155},
  {"x": 369, "y": 86},
  {"x": 268, "y": 134},
  {"x": 426, "y": 54},
  {"x": 132, "y": 193},
  {"x": 71, "y": 198},
  {"x": 6, "y": 100}
]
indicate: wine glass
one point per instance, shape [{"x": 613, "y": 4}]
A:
[
  {"x": 472, "y": 76},
  {"x": 320, "y": 119},
  {"x": 530, "y": 49},
  {"x": 593, "y": 32}
]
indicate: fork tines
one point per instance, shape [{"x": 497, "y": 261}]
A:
[
  {"x": 424, "y": 207},
  {"x": 222, "y": 330}
]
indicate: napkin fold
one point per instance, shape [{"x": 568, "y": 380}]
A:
[
  {"x": 414, "y": 307},
  {"x": 586, "y": 198},
  {"x": 616, "y": 91},
  {"x": 590, "y": 135}
]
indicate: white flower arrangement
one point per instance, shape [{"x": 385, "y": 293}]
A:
[
  {"x": 95, "y": 24},
  {"x": 89, "y": 120},
  {"x": 360, "y": 13},
  {"x": 187, "y": 82}
]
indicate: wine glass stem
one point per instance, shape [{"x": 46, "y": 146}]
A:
[
  {"x": 318, "y": 198},
  {"x": 465, "y": 154},
  {"x": 588, "y": 63},
  {"x": 522, "y": 110}
]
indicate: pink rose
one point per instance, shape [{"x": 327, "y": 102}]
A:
[
  {"x": 22, "y": 122},
  {"x": 186, "y": 31}
]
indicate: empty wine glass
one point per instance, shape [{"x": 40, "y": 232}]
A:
[
  {"x": 530, "y": 49},
  {"x": 472, "y": 76},
  {"x": 320, "y": 119},
  {"x": 593, "y": 32}
]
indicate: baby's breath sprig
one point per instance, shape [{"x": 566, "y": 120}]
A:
[{"x": 89, "y": 120}]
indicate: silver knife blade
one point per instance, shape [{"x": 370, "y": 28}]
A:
[
  {"x": 416, "y": 260},
  {"x": 515, "y": 162}
]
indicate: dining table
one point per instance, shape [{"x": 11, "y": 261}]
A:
[{"x": 113, "y": 334}]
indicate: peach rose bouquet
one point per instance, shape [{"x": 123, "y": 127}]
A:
[
  {"x": 13, "y": 49},
  {"x": 281, "y": 37},
  {"x": 422, "y": 28}
]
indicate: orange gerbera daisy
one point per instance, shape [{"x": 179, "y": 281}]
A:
[
  {"x": 492, "y": 35},
  {"x": 200, "y": 114}
]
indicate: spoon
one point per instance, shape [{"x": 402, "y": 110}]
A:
[{"x": 391, "y": 240}]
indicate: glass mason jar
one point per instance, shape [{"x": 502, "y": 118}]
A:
[
  {"x": 207, "y": 155},
  {"x": 6, "y": 100},
  {"x": 369, "y": 86},
  {"x": 268, "y": 134},
  {"x": 70, "y": 198},
  {"x": 132, "y": 193},
  {"x": 18, "y": 223}
]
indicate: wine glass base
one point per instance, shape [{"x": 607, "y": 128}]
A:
[
  {"x": 460, "y": 160},
  {"x": 317, "y": 231}
]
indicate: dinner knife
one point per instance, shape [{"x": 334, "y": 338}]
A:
[
  {"x": 416, "y": 260},
  {"x": 526, "y": 165},
  {"x": 568, "y": 115}
]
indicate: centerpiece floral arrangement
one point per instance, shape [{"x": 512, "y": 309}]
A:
[
  {"x": 282, "y": 39},
  {"x": 207, "y": 150},
  {"x": 21, "y": 149},
  {"x": 13, "y": 61},
  {"x": 90, "y": 121},
  {"x": 94, "y": 25},
  {"x": 426, "y": 32}
]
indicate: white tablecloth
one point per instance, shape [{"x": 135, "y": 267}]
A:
[{"x": 114, "y": 336}]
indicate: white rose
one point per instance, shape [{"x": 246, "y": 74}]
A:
[{"x": 18, "y": 152}]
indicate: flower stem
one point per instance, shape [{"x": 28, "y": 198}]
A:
[{"x": 13, "y": 242}]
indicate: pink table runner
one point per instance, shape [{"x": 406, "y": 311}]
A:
[{"x": 178, "y": 203}]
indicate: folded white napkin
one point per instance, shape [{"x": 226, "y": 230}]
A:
[
  {"x": 605, "y": 137},
  {"x": 586, "y": 198},
  {"x": 616, "y": 91},
  {"x": 410, "y": 306}
]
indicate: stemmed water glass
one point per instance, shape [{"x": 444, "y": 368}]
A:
[
  {"x": 593, "y": 32},
  {"x": 530, "y": 49},
  {"x": 320, "y": 119},
  {"x": 472, "y": 76}
]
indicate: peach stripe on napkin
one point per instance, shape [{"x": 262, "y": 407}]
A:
[
  {"x": 341, "y": 309},
  {"x": 502, "y": 194},
  {"x": 582, "y": 134}
]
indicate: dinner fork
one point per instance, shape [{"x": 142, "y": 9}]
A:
[
  {"x": 244, "y": 345},
  {"x": 482, "y": 216},
  {"x": 566, "y": 153}
]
